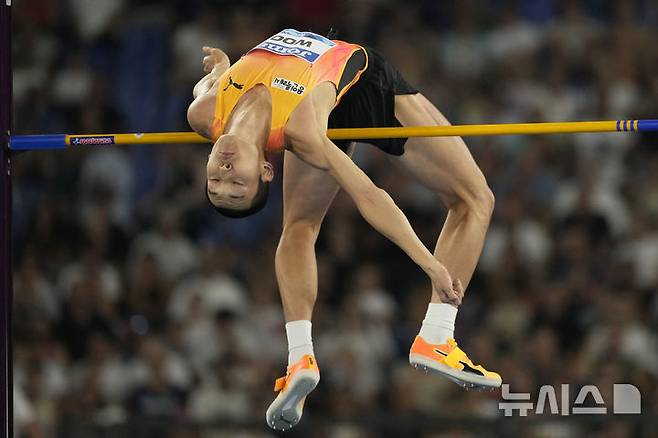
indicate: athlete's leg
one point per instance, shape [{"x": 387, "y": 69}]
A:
[
  {"x": 446, "y": 167},
  {"x": 307, "y": 194}
]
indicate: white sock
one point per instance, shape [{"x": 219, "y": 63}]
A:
[
  {"x": 439, "y": 323},
  {"x": 300, "y": 342}
]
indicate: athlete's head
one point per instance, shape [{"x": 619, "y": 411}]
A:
[{"x": 237, "y": 177}]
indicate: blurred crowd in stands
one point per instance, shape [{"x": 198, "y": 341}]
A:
[{"x": 138, "y": 311}]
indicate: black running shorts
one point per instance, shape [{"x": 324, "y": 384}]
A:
[{"x": 370, "y": 103}]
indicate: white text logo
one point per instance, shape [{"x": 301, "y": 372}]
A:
[{"x": 626, "y": 400}]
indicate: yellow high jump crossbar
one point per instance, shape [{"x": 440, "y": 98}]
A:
[{"x": 62, "y": 141}]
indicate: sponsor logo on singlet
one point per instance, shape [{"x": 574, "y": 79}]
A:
[
  {"x": 305, "y": 45},
  {"x": 288, "y": 85},
  {"x": 235, "y": 84}
]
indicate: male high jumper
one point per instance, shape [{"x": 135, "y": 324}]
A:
[{"x": 282, "y": 96}]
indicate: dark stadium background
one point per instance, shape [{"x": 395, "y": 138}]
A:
[{"x": 140, "y": 313}]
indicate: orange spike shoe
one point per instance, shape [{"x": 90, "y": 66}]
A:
[
  {"x": 300, "y": 379},
  {"x": 450, "y": 361}
]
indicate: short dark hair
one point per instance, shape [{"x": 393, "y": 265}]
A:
[{"x": 256, "y": 205}]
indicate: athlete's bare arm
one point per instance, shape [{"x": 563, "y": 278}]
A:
[
  {"x": 306, "y": 133},
  {"x": 201, "y": 110}
]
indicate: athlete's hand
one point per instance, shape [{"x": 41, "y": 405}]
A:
[
  {"x": 443, "y": 285},
  {"x": 459, "y": 290},
  {"x": 214, "y": 56}
]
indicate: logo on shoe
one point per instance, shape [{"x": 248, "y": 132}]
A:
[{"x": 437, "y": 351}]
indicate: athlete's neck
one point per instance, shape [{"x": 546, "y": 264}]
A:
[{"x": 251, "y": 118}]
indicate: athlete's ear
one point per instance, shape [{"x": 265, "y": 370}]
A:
[{"x": 267, "y": 173}]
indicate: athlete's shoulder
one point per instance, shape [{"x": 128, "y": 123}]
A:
[{"x": 314, "y": 108}]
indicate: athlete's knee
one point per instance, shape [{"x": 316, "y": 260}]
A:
[
  {"x": 299, "y": 232},
  {"x": 486, "y": 201},
  {"x": 474, "y": 198}
]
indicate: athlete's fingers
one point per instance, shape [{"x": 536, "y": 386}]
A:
[
  {"x": 457, "y": 291},
  {"x": 208, "y": 64},
  {"x": 457, "y": 286},
  {"x": 447, "y": 298},
  {"x": 448, "y": 295},
  {"x": 444, "y": 289},
  {"x": 213, "y": 51},
  {"x": 442, "y": 284},
  {"x": 454, "y": 297}
]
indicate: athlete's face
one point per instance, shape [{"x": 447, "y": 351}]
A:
[{"x": 234, "y": 169}]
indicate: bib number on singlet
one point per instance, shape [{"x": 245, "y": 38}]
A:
[
  {"x": 288, "y": 85},
  {"x": 305, "y": 45}
]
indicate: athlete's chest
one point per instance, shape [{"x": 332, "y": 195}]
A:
[{"x": 254, "y": 103}]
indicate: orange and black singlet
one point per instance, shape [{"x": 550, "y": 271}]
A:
[{"x": 290, "y": 64}]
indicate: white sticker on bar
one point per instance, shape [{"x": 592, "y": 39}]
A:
[{"x": 8, "y": 2}]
